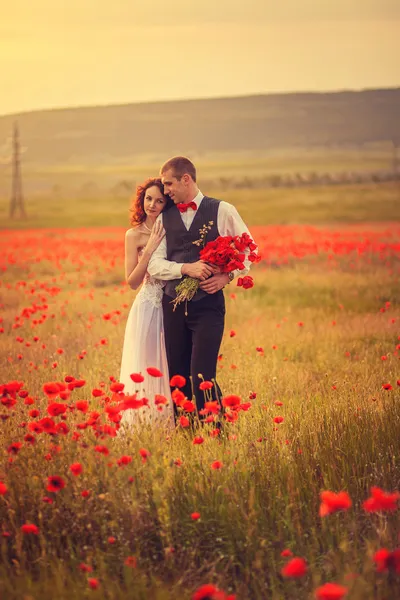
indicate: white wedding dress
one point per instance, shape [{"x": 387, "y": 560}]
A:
[{"x": 144, "y": 347}]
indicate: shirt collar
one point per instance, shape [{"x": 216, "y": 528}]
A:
[{"x": 199, "y": 197}]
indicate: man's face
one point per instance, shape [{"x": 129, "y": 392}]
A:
[{"x": 175, "y": 188}]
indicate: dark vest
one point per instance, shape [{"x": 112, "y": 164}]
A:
[{"x": 180, "y": 247}]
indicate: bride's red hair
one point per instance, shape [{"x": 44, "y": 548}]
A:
[{"x": 138, "y": 215}]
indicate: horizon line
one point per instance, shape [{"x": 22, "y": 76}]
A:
[{"x": 197, "y": 99}]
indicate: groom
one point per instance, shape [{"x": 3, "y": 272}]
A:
[{"x": 193, "y": 340}]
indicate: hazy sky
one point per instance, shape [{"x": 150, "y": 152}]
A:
[{"x": 56, "y": 53}]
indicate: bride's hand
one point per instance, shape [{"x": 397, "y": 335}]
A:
[{"x": 157, "y": 234}]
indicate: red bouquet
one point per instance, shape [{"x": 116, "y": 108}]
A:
[{"x": 226, "y": 252}]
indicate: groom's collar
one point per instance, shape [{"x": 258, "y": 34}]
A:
[{"x": 198, "y": 198}]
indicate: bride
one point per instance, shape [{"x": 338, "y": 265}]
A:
[{"x": 144, "y": 339}]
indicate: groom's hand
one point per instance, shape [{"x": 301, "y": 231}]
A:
[
  {"x": 198, "y": 270},
  {"x": 215, "y": 283}
]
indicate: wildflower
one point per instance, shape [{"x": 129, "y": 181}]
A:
[
  {"x": 387, "y": 561},
  {"x": 231, "y": 401},
  {"x": 296, "y": 567},
  {"x": 93, "y": 583},
  {"x": 198, "y": 440},
  {"x": 195, "y": 516},
  {"x": 206, "y": 385},
  {"x": 331, "y": 502},
  {"x": 177, "y": 381},
  {"x": 330, "y": 591},
  {"x": 55, "y": 483},
  {"x": 153, "y": 372},
  {"x": 381, "y": 501},
  {"x": 29, "y": 528},
  {"x": 216, "y": 465},
  {"x": 3, "y": 489},
  {"x": 137, "y": 377},
  {"x": 278, "y": 420},
  {"x": 76, "y": 469}
]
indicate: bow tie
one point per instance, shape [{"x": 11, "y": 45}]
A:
[{"x": 182, "y": 207}]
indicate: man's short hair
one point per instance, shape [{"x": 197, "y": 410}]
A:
[{"x": 180, "y": 165}]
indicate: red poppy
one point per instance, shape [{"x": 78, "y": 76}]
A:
[
  {"x": 210, "y": 592},
  {"x": 124, "y": 460},
  {"x": 177, "y": 381},
  {"x": 131, "y": 561},
  {"x": 56, "y": 408},
  {"x": 14, "y": 448},
  {"x": 178, "y": 397},
  {"x": 195, "y": 516},
  {"x": 153, "y": 372},
  {"x": 206, "y": 385},
  {"x": 387, "y": 561},
  {"x": 3, "y": 489},
  {"x": 159, "y": 400},
  {"x": 82, "y": 405},
  {"x": 29, "y": 528},
  {"x": 76, "y": 469},
  {"x": 85, "y": 568},
  {"x": 188, "y": 406},
  {"x": 144, "y": 453},
  {"x": 286, "y": 553},
  {"x": 97, "y": 393},
  {"x": 387, "y": 386},
  {"x": 278, "y": 420},
  {"x": 55, "y": 483},
  {"x": 331, "y": 502},
  {"x": 381, "y": 501},
  {"x": 296, "y": 567},
  {"x": 117, "y": 387},
  {"x": 93, "y": 583},
  {"x": 102, "y": 450},
  {"x": 331, "y": 591},
  {"x": 231, "y": 401},
  {"x": 198, "y": 440},
  {"x": 216, "y": 465},
  {"x": 137, "y": 377},
  {"x": 111, "y": 539},
  {"x": 184, "y": 421}
]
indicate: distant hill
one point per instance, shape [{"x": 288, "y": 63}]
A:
[{"x": 265, "y": 122}]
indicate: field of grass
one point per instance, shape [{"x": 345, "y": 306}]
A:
[
  {"x": 339, "y": 204},
  {"x": 316, "y": 342}
]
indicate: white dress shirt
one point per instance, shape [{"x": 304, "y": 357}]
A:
[{"x": 229, "y": 223}]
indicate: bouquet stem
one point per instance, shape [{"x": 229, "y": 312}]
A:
[{"x": 185, "y": 291}]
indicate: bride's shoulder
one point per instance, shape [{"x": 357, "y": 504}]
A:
[{"x": 134, "y": 232}]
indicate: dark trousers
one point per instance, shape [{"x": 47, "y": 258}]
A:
[{"x": 193, "y": 341}]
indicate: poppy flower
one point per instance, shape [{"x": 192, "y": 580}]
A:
[
  {"x": 153, "y": 372},
  {"x": 3, "y": 489},
  {"x": 381, "y": 501},
  {"x": 131, "y": 561},
  {"x": 136, "y": 377},
  {"x": 330, "y": 591},
  {"x": 189, "y": 406},
  {"x": 93, "y": 583},
  {"x": 387, "y": 561},
  {"x": 209, "y": 592},
  {"x": 206, "y": 385},
  {"x": 286, "y": 553},
  {"x": 55, "y": 483},
  {"x": 124, "y": 460},
  {"x": 198, "y": 440},
  {"x": 117, "y": 387},
  {"x": 177, "y": 381},
  {"x": 30, "y": 528},
  {"x": 178, "y": 397},
  {"x": 216, "y": 465},
  {"x": 296, "y": 567},
  {"x": 159, "y": 400},
  {"x": 231, "y": 401},
  {"x": 76, "y": 469},
  {"x": 331, "y": 502},
  {"x": 82, "y": 405},
  {"x": 195, "y": 516},
  {"x": 85, "y": 568},
  {"x": 184, "y": 421},
  {"x": 56, "y": 408},
  {"x": 278, "y": 420},
  {"x": 144, "y": 453}
]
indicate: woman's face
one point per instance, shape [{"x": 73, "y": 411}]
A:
[{"x": 154, "y": 202}]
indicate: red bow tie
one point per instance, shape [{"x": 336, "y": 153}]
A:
[{"x": 182, "y": 207}]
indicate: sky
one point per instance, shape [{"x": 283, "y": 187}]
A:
[{"x": 59, "y": 53}]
